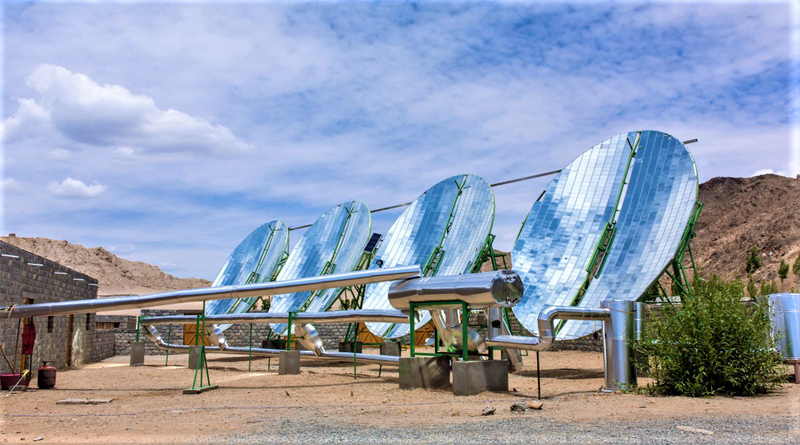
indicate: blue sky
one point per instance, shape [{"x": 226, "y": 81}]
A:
[{"x": 166, "y": 132}]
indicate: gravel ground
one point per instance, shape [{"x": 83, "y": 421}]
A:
[
  {"x": 326, "y": 404},
  {"x": 531, "y": 428}
]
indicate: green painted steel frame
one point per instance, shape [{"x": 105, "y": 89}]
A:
[
  {"x": 202, "y": 363},
  {"x": 463, "y": 352}
]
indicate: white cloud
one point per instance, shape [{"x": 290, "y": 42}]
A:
[
  {"x": 60, "y": 154},
  {"x": 765, "y": 171},
  {"x": 85, "y": 112},
  {"x": 74, "y": 188},
  {"x": 10, "y": 185}
]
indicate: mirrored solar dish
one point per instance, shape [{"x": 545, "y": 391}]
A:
[
  {"x": 347, "y": 258},
  {"x": 455, "y": 216},
  {"x": 658, "y": 203},
  {"x": 254, "y": 260},
  {"x": 333, "y": 244},
  {"x": 563, "y": 227}
]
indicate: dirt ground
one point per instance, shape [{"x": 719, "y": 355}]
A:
[{"x": 148, "y": 405}]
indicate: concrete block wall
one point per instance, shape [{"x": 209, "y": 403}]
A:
[
  {"x": 126, "y": 333},
  {"x": 236, "y": 335},
  {"x": 22, "y": 278}
]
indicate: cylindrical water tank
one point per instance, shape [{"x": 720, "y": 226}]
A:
[{"x": 786, "y": 324}]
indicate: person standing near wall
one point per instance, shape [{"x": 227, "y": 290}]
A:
[{"x": 28, "y": 340}]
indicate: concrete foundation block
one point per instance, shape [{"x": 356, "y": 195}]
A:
[
  {"x": 289, "y": 363},
  {"x": 475, "y": 377},
  {"x": 424, "y": 372},
  {"x": 194, "y": 353},
  {"x": 347, "y": 346},
  {"x": 137, "y": 353},
  {"x": 391, "y": 348}
]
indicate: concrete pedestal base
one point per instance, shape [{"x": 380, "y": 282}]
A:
[
  {"x": 390, "y": 348},
  {"x": 194, "y": 353},
  {"x": 424, "y": 372},
  {"x": 289, "y": 363},
  {"x": 347, "y": 346},
  {"x": 470, "y": 378},
  {"x": 137, "y": 353}
]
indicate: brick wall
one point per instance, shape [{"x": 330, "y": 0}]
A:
[{"x": 50, "y": 282}]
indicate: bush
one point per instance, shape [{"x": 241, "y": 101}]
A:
[{"x": 711, "y": 344}]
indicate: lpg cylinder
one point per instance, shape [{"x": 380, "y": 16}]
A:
[{"x": 47, "y": 376}]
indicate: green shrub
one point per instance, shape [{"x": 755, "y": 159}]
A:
[{"x": 711, "y": 344}]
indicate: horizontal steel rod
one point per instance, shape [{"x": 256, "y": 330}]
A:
[
  {"x": 351, "y": 316},
  {"x": 211, "y": 293},
  {"x": 496, "y": 184}
]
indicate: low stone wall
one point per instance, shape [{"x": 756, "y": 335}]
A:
[{"x": 236, "y": 335}]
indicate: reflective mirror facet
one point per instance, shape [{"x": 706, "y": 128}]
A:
[{"x": 444, "y": 229}]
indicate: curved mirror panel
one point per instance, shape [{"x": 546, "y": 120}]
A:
[
  {"x": 658, "y": 203},
  {"x": 347, "y": 258},
  {"x": 558, "y": 238},
  {"x": 254, "y": 260},
  {"x": 444, "y": 231},
  {"x": 328, "y": 246}
]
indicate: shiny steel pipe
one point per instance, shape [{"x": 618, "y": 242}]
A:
[
  {"x": 618, "y": 332},
  {"x": 618, "y": 336},
  {"x": 350, "y": 316},
  {"x": 501, "y": 288},
  {"x": 152, "y": 334},
  {"x": 497, "y": 326},
  {"x": 546, "y": 332},
  {"x": 211, "y": 293},
  {"x": 449, "y": 328}
]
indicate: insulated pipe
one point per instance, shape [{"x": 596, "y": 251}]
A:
[
  {"x": 153, "y": 335},
  {"x": 350, "y": 316},
  {"x": 546, "y": 333},
  {"x": 618, "y": 331},
  {"x": 496, "y": 326},
  {"x": 501, "y": 288},
  {"x": 211, "y": 293},
  {"x": 618, "y": 336},
  {"x": 449, "y": 328}
]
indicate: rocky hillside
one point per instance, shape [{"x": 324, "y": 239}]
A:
[
  {"x": 740, "y": 213},
  {"x": 116, "y": 276}
]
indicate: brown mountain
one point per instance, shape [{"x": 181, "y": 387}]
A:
[
  {"x": 116, "y": 276},
  {"x": 740, "y": 213}
]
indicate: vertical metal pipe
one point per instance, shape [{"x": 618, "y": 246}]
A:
[
  {"x": 464, "y": 333},
  {"x": 538, "y": 379},
  {"x": 618, "y": 336},
  {"x": 169, "y": 340},
  {"x": 497, "y": 326},
  {"x": 250, "y": 352}
]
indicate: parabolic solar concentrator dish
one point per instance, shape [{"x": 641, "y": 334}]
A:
[
  {"x": 556, "y": 247},
  {"x": 658, "y": 202},
  {"x": 333, "y": 244},
  {"x": 449, "y": 223},
  {"x": 254, "y": 260}
]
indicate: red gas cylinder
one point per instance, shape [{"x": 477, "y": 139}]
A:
[{"x": 47, "y": 376}]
